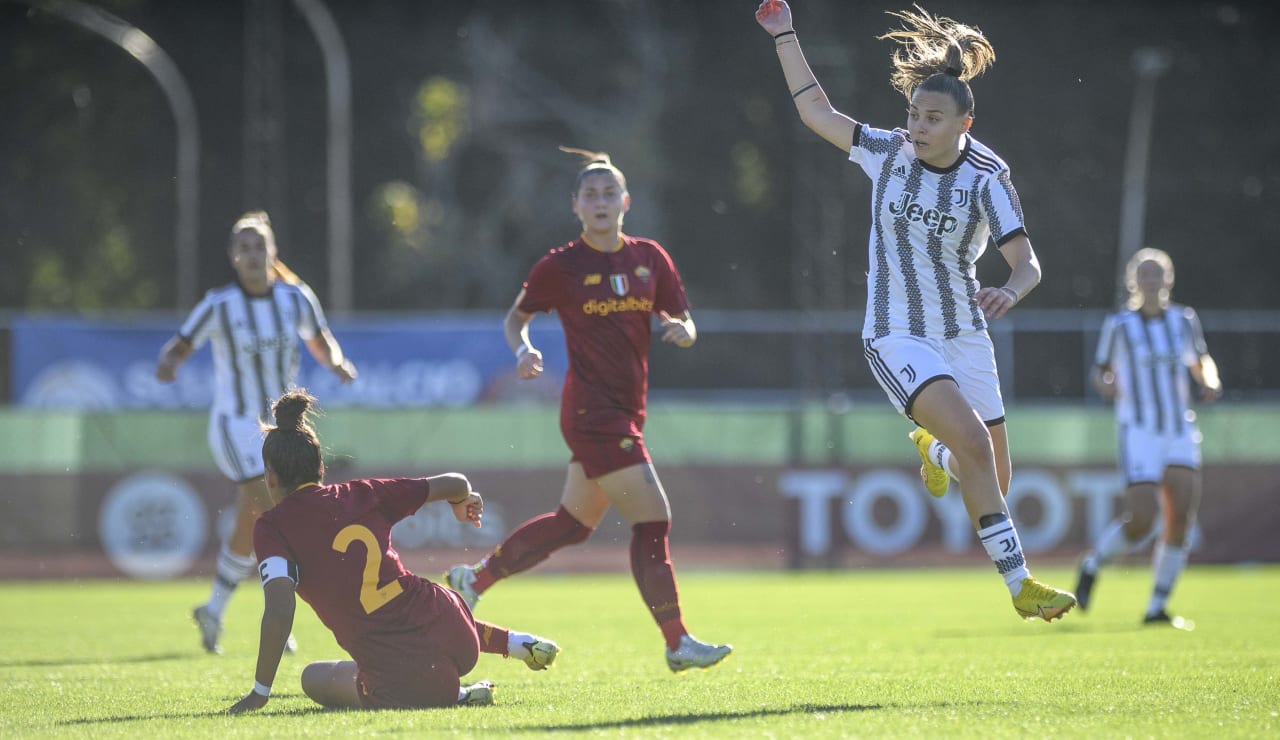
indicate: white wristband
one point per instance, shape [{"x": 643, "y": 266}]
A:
[
  {"x": 1011, "y": 292},
  {"x": 261, "y": 690}
]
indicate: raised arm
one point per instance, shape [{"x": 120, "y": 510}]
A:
[{"x": 815, "y": 109}]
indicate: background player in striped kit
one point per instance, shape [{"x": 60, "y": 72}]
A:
[
  {"x": 606, "y": 287},
  {"x": 1142, "y": 353},
  {"x": 938, "y": 196},
  {"x": 409, "y": 639},
  {"x": 254, "y": 325}
]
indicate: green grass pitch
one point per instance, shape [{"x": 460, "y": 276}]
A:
[{"x": 934, "y": 653}]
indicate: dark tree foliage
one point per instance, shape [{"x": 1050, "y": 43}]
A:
[{"x": 459, "y": 107}]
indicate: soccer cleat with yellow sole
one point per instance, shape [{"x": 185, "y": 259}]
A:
[
  {"x": 1038, "y": 600},
  {"x": 935, "y": 478}
]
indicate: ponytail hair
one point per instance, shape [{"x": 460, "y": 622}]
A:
[
  {"x": 291, "y": 448},
  {"x": 592, "y": 163},
  {"x": 938, "y": 54}
]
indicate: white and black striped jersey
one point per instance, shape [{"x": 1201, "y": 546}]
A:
[
  {"x": 1149, "y": 357},
  {"x": 255, "y": 342},
  {"x": 928, "y": 228}
]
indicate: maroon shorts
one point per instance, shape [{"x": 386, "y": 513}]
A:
[
  {"x": 420, "y": 666},
  {"x": 603, "y": 442}
]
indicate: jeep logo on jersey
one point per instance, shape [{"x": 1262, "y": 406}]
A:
[
  {"x": 619, "y": 284},
  {"x": 938, "y": 222}
]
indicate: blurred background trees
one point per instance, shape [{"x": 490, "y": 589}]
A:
[{"x": 458, "y": 187}]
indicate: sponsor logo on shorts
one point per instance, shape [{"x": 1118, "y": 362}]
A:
[{"x": 626, "y": 443}]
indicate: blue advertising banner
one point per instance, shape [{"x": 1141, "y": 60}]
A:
[{"x": 78, "y": 363}]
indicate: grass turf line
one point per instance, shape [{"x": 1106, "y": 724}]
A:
[{"x": 817, "y": 654}]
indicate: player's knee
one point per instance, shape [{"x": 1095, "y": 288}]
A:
[
  {"x": 574, "y": 530},
  {"x": 973, "y": 443}
]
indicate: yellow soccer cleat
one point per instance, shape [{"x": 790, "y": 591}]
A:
[
  {"x": 1038, "y": 600},
  {"x": 936, "y": 481},
  {"x": 541, "y": 653}
]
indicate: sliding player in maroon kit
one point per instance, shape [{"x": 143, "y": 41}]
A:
[
  {"x": 605, "y": 286},
  {"x": 410, "y": 639}
]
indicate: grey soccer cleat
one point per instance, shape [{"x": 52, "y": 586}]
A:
[{"x": 693, "y": 653}]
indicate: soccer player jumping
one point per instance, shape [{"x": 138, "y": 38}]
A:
[{"x": 938, "y": 196}]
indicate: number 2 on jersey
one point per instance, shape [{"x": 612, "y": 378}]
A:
[{"x": 372, "y": 598}]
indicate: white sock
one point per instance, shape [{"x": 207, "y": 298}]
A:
[
  {"x": 1005, "y": 550},
  {"x": 1111, "y": 544},
  {"x": 516, "y": 644},
  {"x": 462, "y": 693},
  {"x": 231, "y": 570},
  {"x": 1167, "y": 563},
  {"x": 941, "y": 457}
]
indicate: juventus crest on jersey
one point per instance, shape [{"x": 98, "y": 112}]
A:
[
  {"x": 1149, "y": 357},
  {"x": 929, "y": 226},
  {"x": 255, "y": 342}
]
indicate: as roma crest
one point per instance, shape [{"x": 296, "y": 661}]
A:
[{"x": 619, "y": 284}]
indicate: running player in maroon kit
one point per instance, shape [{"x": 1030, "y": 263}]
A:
[
  {"x": 410, "y": 639},
  {"x": 605, "y": 286}
]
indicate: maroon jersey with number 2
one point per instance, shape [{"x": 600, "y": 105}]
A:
[
  {"x": 606, "y": 302},
  {"x": 394, "y": 624}
]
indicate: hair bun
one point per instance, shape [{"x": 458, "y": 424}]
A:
[{"x": 291, "y": 409}]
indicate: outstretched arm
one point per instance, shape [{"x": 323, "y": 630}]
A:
[
  {"x": 277, "y": 622},
  {"x": 815, "y": 109}
]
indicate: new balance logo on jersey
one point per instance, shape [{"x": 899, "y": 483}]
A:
[{"x": 938, "y": 222}]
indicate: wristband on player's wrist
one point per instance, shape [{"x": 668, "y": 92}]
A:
[
  {"x": 522, "y": 350},
  {"x": 1011, "y": 293},
  {"x": 261, "y": 690}
]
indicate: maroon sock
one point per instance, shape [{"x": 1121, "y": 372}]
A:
[
  {"x": 530, "y": 544},
  {"x": 493, "y": 639},
  {"x": 651, "y": 567}
]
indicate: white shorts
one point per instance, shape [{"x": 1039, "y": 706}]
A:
[
  {"x": 1144, "y": 455},
  {"x": 904, "y": 365},
  {"x": 236, "y": 444}
]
